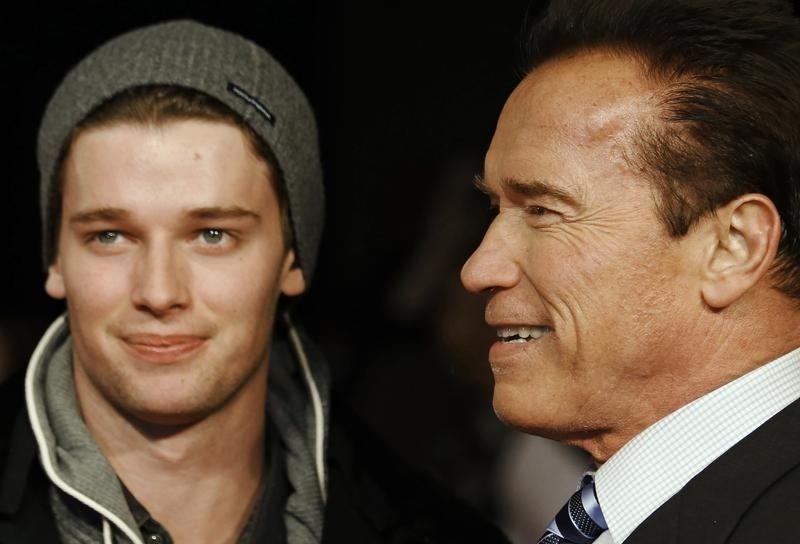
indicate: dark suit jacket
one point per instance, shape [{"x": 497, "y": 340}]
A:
[{"x": 750, "y": 495}]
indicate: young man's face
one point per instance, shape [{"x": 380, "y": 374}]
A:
[{"x": 171, "y": 260}]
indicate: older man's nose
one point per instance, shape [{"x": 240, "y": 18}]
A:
[{"x": 491, "y": 266}]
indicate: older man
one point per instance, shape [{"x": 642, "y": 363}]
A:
[{"x": 643, "y": 269}]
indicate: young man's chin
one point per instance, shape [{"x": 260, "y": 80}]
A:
[
  {"x": 174, "y": 398},
  {"x": 166, "y": 413}
]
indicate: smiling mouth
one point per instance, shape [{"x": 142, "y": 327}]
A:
[
  {"x": 518, "y": 335},
  {"x": 164, "y": 349}
]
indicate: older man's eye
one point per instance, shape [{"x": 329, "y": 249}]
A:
[
  {"x": 213, "y": 236},
  {"x": 538, "y": 210},
  {"x": 539, "y": 216}
]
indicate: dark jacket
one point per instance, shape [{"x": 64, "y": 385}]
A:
[
  {"x": 750, "y": 495},
  {"x": 372, "y": 495}
]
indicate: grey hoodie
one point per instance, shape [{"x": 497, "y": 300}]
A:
[{"x": 87, "y": 497}]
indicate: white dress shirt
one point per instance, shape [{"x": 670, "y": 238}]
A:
[{"x": 659, "y": 461}]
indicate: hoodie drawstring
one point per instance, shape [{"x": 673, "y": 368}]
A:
[
  {"x": 108, "y": 537},
  {"x": 316, "y": 401}
]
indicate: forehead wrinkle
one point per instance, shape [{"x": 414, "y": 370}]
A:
[
  {"x": 620, "y": 97},
  {"x": 615, "y": 131},
  {"x": 617, "y": 121}
]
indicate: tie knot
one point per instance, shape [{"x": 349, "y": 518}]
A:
[{"x": 580, "y": 521}]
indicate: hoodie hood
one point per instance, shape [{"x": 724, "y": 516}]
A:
[
  {"x": 298, "y": 403},
  {"x": 297, "y": 406}
]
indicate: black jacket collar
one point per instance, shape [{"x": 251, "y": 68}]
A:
[{"x": 710, "y": 507}]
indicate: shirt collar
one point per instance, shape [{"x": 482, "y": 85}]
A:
[
  {"x": 660, "y": 460},
  {"x": 265, "y": 522}
]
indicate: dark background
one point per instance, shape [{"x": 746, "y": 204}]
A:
[{"x": 406, "y": 96}]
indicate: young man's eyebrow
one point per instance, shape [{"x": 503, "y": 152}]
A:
[
  {"x": 222, "y": 212},
  {"x": 99, "y": 214},
  {"x": 209, "y": 212}
]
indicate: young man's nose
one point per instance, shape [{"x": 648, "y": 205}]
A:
[
  {"x": 491, "y": 266},
  {"x": 160, "y": 283}
]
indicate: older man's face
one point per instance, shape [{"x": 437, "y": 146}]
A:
[{"x": 588, "y": 293}]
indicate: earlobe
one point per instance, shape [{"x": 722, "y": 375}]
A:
[
  {"x": 293, "y": 282},
  {"x": 54, "y": 284},
  {"x": 746, "y": 237}
]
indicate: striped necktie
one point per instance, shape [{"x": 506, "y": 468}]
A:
[{"x": 580, "y": 521}]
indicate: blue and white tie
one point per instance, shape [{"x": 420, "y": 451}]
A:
[{"x": 580, "y": 521}]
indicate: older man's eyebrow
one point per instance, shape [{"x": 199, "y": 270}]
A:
[
  {"x": 99, "y": 214},
  {"x": 537, "y": 187},
  {"x": 223, "y": 212}
]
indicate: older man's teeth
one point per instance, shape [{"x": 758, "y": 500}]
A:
[{"x": 521, "y": 334}]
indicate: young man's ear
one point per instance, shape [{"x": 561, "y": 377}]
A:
[
  {"x": 54, "y": 284},
  {"x": 743, "y": 243},
  {"x": 293, "y": 282}
]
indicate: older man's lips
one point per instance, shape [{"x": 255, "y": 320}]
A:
[
  {"x": 164, "y": 349},
  {"x": 514, "y": 344}
]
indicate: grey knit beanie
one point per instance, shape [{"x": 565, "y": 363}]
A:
[{"x": 221, "y": 64}]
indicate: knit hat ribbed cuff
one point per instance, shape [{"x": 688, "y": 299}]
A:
[{"x": 221, "y": 64}]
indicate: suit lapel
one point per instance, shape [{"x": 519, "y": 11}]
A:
[{"x": 708, "y": 508}]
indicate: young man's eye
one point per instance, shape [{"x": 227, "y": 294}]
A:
[
  {"x": 108, "y": 237},
  {"x": 213, "y": 236}
]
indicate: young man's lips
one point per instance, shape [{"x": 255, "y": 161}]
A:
[{"x": 164, "y": 348}]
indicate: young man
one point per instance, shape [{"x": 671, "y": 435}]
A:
[
  {"x": 643, "y": 270},
  {"x": 175, "y": 401}
]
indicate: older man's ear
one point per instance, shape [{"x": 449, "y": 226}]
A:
[{"x": 742, "y": 241}]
